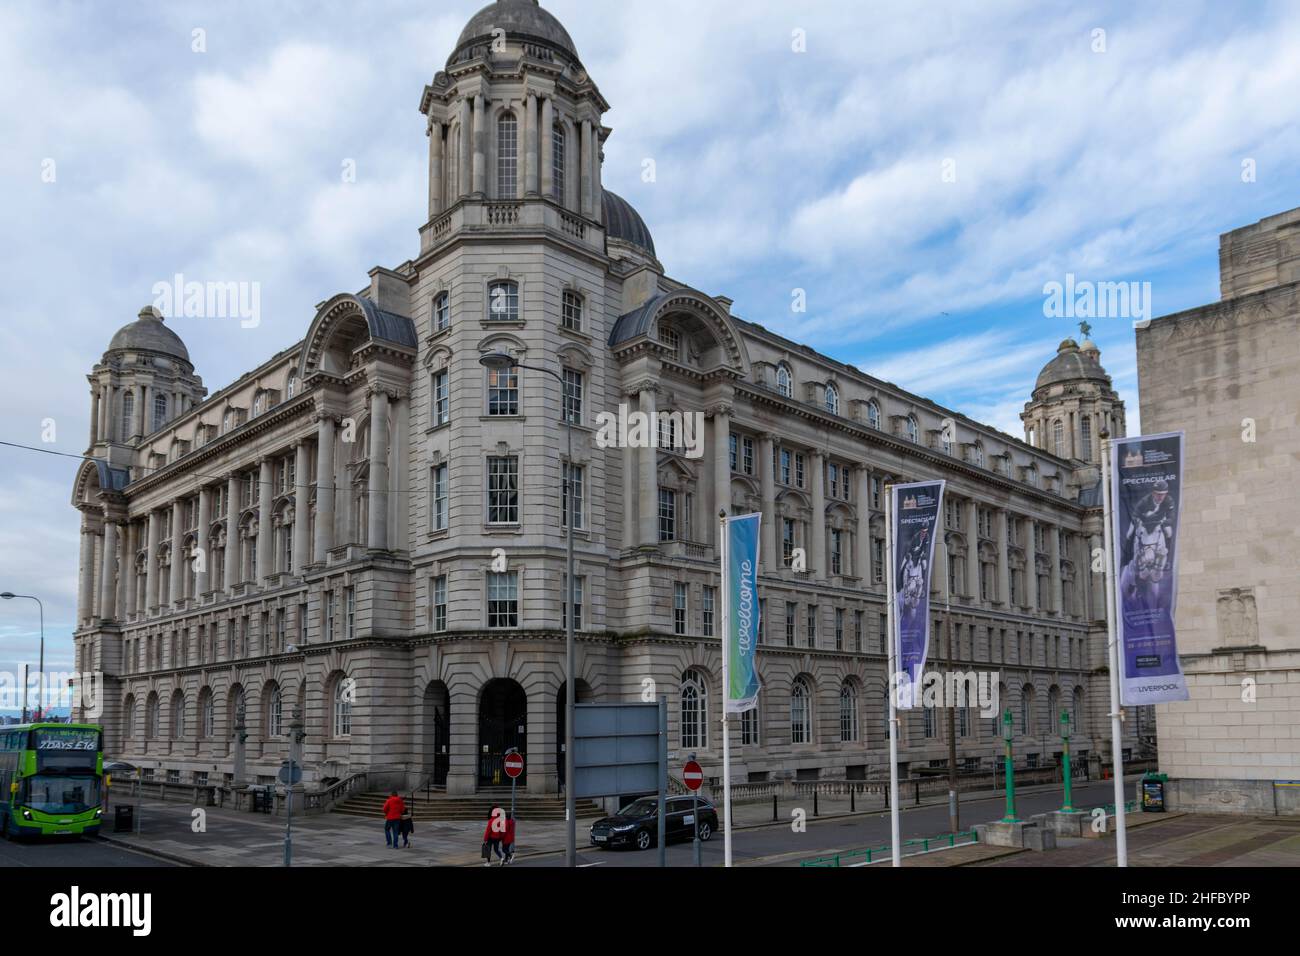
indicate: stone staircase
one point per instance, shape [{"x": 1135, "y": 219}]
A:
[{"x": 475, "y": 807}]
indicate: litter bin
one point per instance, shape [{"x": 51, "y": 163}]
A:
[
  {"x": 1153, "y": 792},
  {"x": 124, "y": 818}
]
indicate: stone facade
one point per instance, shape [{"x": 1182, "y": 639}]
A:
[
  {"x": 379, "y": 517},
  {"x": 1228, "y": 374}
]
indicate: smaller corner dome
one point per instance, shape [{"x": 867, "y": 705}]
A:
[
  {"x": 1072, "y": 364},
  {"x": 522, "y": 18},
  {"x": 624, "y": 222},
  {"x": 148, "y": 334}
]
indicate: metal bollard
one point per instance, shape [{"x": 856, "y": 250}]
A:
[
  {"x": 814, "y": 803},
  {"x": 774, "y": 816},
  {"x": 853, "y": 802}
]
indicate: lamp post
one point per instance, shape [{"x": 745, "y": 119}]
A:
[
  {"x": 500, "y": 361},
  {"x": 954, "y": 817},
  {"x": 40, "y": 690}
]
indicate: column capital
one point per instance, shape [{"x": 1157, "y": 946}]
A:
[{"x": 719, "y": 408}]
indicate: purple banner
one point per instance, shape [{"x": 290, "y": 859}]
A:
[{"x": 915, "y": 523}]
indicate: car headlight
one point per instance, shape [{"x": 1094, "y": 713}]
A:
[
  {"x": 624, "y": 828},
  {"x": 27, "y": 814},
  {"x": 99, "y": 811}
]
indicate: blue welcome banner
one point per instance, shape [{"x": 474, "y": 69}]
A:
[
  {"x": 915, "y": 522},
  {"x": 740, "y": 618}
]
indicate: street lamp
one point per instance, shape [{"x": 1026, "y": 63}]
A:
[
  {"x": 501, "y": 361},
  {"x": 954, "y": 817},
  {"x": 40, "y": 690}
]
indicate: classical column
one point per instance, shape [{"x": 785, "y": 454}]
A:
[
  {"x": 465, "y": 161},
  {"x": 768, "y": 525},
  {"x": 1054, "y": 548},
  {"x": 146, "y": 394},
  {"x": 108, "y": 574},
  {"x": 1031, "y": 565},
  {"x": 973, "y": 549},
  {"x": 862, "y": 539},
  {"x": 480, "y": 144},
  {"x": 1076, "y": 421},
  {"x": 629, "y": 496},
  {"x": 435, "y": 167},
  {"x": 175, "y": 587},
  {"x": 203, "y": 576},
  {"x": 648, "y": 460},
  {"x": 103, "y": 413},
  {"x": 86, "y": 578},
  {"x": 126, "y": 571},
  {"x": 377, "y": 486},
  {"x": 546, "y": 144},
  {"x": 584, "y": 170},
  {"x": 301, "y": 464},
  {"x": 151, "y": 562},
  {"x": 324, "y": 489},
  {"x": 722, "y": 461},
  {"x": 1004, "y": 567},
  {"x": 94, "y": 414},
  {"x": 534, "y": 142},
  {"x": 265, "y": 526},
  {"x": 817, "y": 551},
  {"x": 596, "y": 212},
  {"x": 231, "y": 570},
  {"x": 97, "y": 557}
]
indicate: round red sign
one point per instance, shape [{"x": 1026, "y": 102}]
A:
[
  {"x": 514, "y": 765},
  {"x": 692, "y": 775}
]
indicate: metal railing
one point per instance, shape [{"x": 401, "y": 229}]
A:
[{"x": 945, "y": 841}]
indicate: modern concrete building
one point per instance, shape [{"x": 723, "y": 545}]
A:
[
  {"x": 367, "y": 530},
  {"x": 1228, "y": 374}
]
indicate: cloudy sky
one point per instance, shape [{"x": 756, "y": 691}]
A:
[{"x": 920, "y": 170}]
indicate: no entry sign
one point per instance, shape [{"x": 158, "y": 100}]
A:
[
  {"x": 514, "y": 765},
  {"x": 692, "y": 775}
]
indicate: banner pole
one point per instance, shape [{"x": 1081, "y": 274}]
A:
[
  {"x": 1112, "y": 644},
  {"x": 895, "y": 827},
  {"x": 726, "y": 690}
]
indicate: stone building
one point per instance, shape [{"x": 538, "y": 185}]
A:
[
  {"x": 1228, "y": 374},
  {"x": 366, "y": 530}
]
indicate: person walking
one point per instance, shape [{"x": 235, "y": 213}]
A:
[
  {"x": 492, "y": 836},
  {"x": 508, "y": 839},
  {"x": 406, "y": 826},
  {"x": 394, "y": 807}
]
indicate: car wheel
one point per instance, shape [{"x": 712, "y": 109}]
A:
[
  {"x": 643, "y": 840},
  {"x": 706, "y": 831}
]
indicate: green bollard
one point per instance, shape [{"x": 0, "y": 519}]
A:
[
  {"x": 1009, "y": 770},
  {"x": 1068, "y": 806}
]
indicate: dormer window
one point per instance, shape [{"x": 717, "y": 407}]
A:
[
  {"x": 291, "y": 388},
  {"x": 832, "y": 400},
  {"x": 910, "y": 430},
  {"x": 784, "y": 380},
  {"x": 259, "y": 403},
  {"x": 671, "y": 340},
  {"x": 229, "y": 421},
  {"x": 873, "y": 414}
]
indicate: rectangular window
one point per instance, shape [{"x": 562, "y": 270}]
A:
[
  {"x": 571, "y": 311},
  {"x": 577, "y": 605},
  {"x": 503, "y": 391},
  {"x": 884, "y": 633},
  {"x": 573, "y": 490},
  {"x": 438, "y": 512},
  {"x": 573, "y": 396},
  {"x": 503, "y": 490},
  {"x": 762, "y": 620},
  {"x": 787, "y": 541},
  {"x": 441, "y": 399},
  {"x": 503, "y": 599},
  {"x": 875, "y": 493},
  {"x": 833, "y": 479},
  {"x": 785, "y": 467},
  {"x": 747, "y": 455},
  {"x": 679, "y": 608},
  {"x": 331, "y": 612},
  {"x": 350, "y": 607},
  {"x": 667, "y": 515},
  {"x": 438, "y": 603},
  {"x": 791, "y": 609},
  {"x": 857, "y": 631},
  {"x": 281, "y": 623},
  {"x": 798, "y": 470},
  {"x": 302, "y": 624},
  {"x": 839, "y": 628},
  {"x": 706, "y": 608},
  {"x": 507, "y": 156},
  {"x": 837, "y": 540},
  {"x": 749, "y": 727},
  {"x": 878, "y": 560},
  {"x": 733, "y": 451},
  {"x": 812, "y": 625}
]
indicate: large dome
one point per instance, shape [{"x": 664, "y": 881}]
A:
[
  {"x": 1073, "y": 363},
  {"x": 625, "y": 223},
  {"x": 148, "y": 334},
  {"x": 523, "y": 19}
]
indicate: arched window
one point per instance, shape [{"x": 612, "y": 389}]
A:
[
  {"x": 848, "y": 713},
  {"x": 1053, "y": 709},
  {"x": 1076, "y": 711},
  {"x": 129, "y": 730},
  {"x": 207, "y": 715},
  {"x": 832, "y": 400},
  {"x": 291, "y": 389},
  {"x": 800, "y": 712},
  {"x": 873, "y": 414},
  {"x": 977, "y": 454},
  {"x": 911, "y": 431},
  {"x": 1026, "y": 708},
  {"x": 343, "y": 708},
  {"x": 178, "y": 716},
  {"x": 784, "y": 380},
  {"x": 1085, "y": 437},
  {"x": 441, "y": 311},
  {"x": 259, "y": 403},
  {"x": 151, "y": 714},
  {"x": 159, "y": 411},
  {"x": 1058, "y": 438},
  {"x": 507, "y": 156},
  {"x": 229, "y": 421},
  {"x": 571, "y": 311},
  {"x": 694, "y": 711},
  {"x": 128, "y": 416},
  {"x": 275, "y": 714},
  {"x": 503, "y": 301},
  {"x": 238, "y": 711},
  {"x": 557, "y": 162}
]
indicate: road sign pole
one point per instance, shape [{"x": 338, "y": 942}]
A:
[
  {"x": 693, "y": 777},
  {"x": 663, "y": 780}
]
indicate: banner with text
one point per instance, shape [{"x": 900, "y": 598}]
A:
[
  {"x": 915, "y": 508},
  {"x": 740, "y": 629},
  {"x": 1146, "y": 491}
]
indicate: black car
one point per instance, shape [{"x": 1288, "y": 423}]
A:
[{"x": 637, "y": 824}]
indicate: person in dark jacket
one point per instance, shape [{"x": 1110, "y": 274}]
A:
[
  {"x": 493, "y": 835},
  {"x": 406, "y": 826},
  {"x": 394, "y": 807},
  {"x": 508, "y": 839}
]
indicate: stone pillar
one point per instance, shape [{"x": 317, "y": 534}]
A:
[
  {"x": 175, "y": 587},
  {"x": 86, "y": 578},
  {"x": 108, "y": 574},
  {"x": 721, "y": 464},
  {"x": 1076, "y": 421},
  {"x": 151, "y": 569},
  {"x": 537, "y": 141},
  {"x": 770, "y": 522},
  {"x": 324, "y": 488},
  {"x": 584, "y": 169},
  {"x": 629, "y": 496},
  {"x": 203, "y": 576},
  {"x": 464, "y": 160},
  {"x": 648, "y": 472},
  {"x": 1096, "y": 580},
  {"x": 1031, "y": 564},
  {"x": 435, "y": 168},
  {"x": 301, "y": 464},
  {"x": 94, "y": 416},
  {"x": 596, "y": 211},
  {"x": 265, "y": 526},
  {"x": 97, "y": 562},
  {"x": 126, "y": 572},
  {"x": 973, "y": 550},
  {"x": 1004, "y": 567},
  {"x": 377, "y": 487},
  {"x": 231, "y": 569},
  {"x": 817, "y": 549},
  {"x": 480, "y": 145},
  {"x": 1054, "y": 548},
  {"x": 862, "y": 540},
  {"x": 146, "y": 396},
  {"x": 544, "y": 145}
]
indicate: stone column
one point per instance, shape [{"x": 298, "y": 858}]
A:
[
  {"x": 203, "y": 576},
  {"x": 231, "y": 569},
  {"x": 126, "y": 571},
  {"x": 265, "y": 526},
  {"x": 769, "y": 524},
  {"x": 536, "y": 142},
  {"x": 94, "y": 416},
  {"x": 817, "y": 549},
  {"x": 862, "y": 539},
  {"x": 545, "y": 143},
  {"x": 108, "y": 574},
  {"x": 377, "y": 487},
  {"x": 584, "y": 169},
  {"x": 1031, "y": 564},
  {"x": 1096, "y": 580},
  {"x": 721, "y": 463},
  {"x": 175, "y": 587},
  {"x": 86, "y": 578},
  {"x": 465, "y": 161},
  {"x": 1004, "y": 567},
  {"x": 435, "y": 168},
  {"x": 973, "y": 549},
  {"x": 151, "y": 569},
  {"x": 301, "y": 464},
  {"x": 648, "y": 472},
  {"x": 1076, "y": 420},
  {"x": 146, "y": 395},
  {"x": 596, "y": 212},
  {"x": 1054, "y": 548},
  {"x": 97, "y": 563},
  {"x": 480, "y": 145},
  {"x": 629, "y": 496},
  {"x": 324, "y": 489}
]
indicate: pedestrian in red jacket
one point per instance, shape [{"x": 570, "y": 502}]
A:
[
  {"x": 394, "y": 807},
  {"x": 493, "y": 835}
]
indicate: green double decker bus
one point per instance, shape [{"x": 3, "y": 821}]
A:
[{"x": 51, "y": 778}]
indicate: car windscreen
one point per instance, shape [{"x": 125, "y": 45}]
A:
[{"x": 640, "y": 808}]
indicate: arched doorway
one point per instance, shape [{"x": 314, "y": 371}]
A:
[
  {"x": 437, "y": 732},
  {"x": 582, "y": 696},
  {"x": 502, "y": 725}
]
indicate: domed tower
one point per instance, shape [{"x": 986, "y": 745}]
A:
[
  {"x": 1073, "y": 400},
  {"x": 144, "y": 380}
]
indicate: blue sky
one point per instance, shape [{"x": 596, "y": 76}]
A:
[{"x": 775, "y": 170}]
